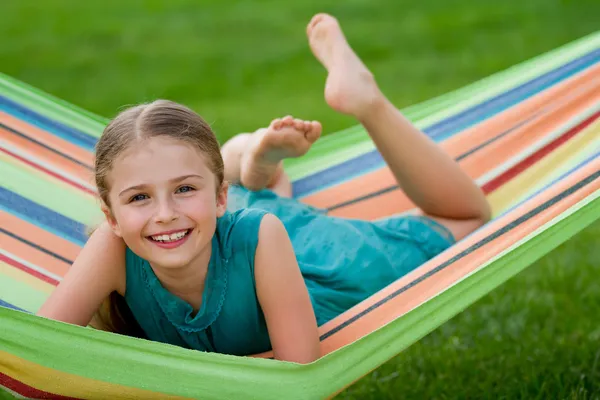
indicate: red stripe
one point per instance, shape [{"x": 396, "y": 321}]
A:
[
  {"x": 538, "y": 155},
  {"x": 28, "y": 391},
  {"x": 43, "y": 169},
  {"x": 30, "y": 271}
]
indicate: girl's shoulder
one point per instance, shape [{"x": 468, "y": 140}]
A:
[{"x": 238, "y": 230}]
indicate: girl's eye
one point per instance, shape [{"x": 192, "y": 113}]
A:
[
  {"x": 138, "y": 197},
  {"x": 184, "y": 189}
]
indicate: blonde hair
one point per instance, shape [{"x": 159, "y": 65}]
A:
[{"x": 161, "y": 118}]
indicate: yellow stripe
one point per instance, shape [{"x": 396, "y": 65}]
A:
[
  {"x": 22, "y": 276},
  {"x": 65, "y": 384},
  {"x": 510, "y": 193},
  {"x": 560, "y": 170}
]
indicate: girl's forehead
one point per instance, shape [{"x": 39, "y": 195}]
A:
[
  {"x": 161, "y": 148},
  {"x": 156, "y": 159}
]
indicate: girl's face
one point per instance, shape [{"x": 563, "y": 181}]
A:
[{"x": 164, "y": 202}]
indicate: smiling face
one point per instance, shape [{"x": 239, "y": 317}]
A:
[{"x": 165, "y": 201}]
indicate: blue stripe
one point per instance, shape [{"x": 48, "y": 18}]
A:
[
  {"x": 68, "y": 133},
  {"x": 447, "y": 127},
  {"x": 8, "y": 305},
  {"x": 42, "y": 216},
  {"x": 468, "y": 118}
]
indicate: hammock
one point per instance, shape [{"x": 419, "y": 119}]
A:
[{"x": 529, "y": 136}]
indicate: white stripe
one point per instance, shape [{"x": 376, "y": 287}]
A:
[
  {"x": 550, "y": 137},
  {"x": 30, "y": 265},
  {"x": 50, "y": 167}
]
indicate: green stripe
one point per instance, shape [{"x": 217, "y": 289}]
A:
[
  {"x": 69, "y": 202},
  {"x": 352, "y": 362},
  {"x": 331, "y": 150},
  {"x": 215, "y": 376},
  {"x": 51, "y": 107},
  {"x": 534, "y": 67},
  {"x": 515, "y": 76},
  {"x": 130, "y": 362},
  {"x": 424, "y": 113},
  {"x": 21, "y": 294}
]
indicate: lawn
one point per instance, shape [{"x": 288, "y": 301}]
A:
[{"x": 242, "y": 63}]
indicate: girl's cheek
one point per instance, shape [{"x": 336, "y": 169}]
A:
[
  {"x": 198, "y": 205},
  {"x": 132, "y": 220}
]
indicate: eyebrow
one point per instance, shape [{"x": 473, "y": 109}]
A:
[{"x": 174, "y": 180}]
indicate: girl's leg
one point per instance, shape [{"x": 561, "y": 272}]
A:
[
  {"x": 429, "y": 176},
  {"x": 255, "y": 160}
]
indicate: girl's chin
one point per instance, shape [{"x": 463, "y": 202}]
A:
[{"x": 169, "y": 264}]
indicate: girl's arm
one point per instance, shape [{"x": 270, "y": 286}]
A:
[
  {"x": 98, "y": 270},
  {"x": 283, "y": 296}
]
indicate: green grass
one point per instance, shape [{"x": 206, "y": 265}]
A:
[
  {"x": 242, "y": 63},
  {"x": 535, "y": 337}
]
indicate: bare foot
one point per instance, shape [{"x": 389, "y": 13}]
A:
[
  {"x": 350, "y": 87},
  {"x": 284, "y": 138}
]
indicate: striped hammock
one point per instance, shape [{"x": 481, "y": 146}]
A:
[{"x": 529, "y": 136}]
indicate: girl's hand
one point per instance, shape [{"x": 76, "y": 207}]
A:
[{"x": 283, "y": 295}]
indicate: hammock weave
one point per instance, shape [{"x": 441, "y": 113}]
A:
[{"x": 529, "y": 136}]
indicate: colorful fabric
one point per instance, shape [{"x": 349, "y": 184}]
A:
[
  {"x": 529, "y": 136},
  {"x": 344, "y": 261}
]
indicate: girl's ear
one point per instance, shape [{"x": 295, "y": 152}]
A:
[
  {"x": 222, "y": 199},
  {"x": 112, "y": 222}
]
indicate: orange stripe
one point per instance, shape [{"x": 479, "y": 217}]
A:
[
  {"x": 39, "y": 236},
  {"x": 34, "y": 256},
  {"x": 526, "y": 136},
  {"x": 48, "y": 139},
  {"x": 402, "y": 303},
  {"x": 456, "y": 145},
  {"x": 443, "y": 279},
  {"x": 47, "y": 156},
  {"x": 482, "y": 161},
  {"x": 66, "y": 384}
]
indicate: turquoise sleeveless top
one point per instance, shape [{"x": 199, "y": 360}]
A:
[
  {"x": 229, "y": 320},
  {"x": 343, "y": 261}
]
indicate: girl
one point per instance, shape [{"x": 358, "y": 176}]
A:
[{"x": 181, "y": 264}]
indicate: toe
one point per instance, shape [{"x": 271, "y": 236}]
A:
[
  {"x": 276, "y": 123},
  {"x": 314, "y": 21},
  {"x": 314, "y": 131},
  {"x": 299, "y": 124},
  {"x": 305, "y": 126},
  {"x": 287, "y": 120},
  {"x": 317, "y": 127}
]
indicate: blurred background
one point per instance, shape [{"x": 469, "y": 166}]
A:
[{"x": 242, "y": 63}]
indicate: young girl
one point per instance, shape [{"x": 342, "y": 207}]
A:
[{"x": 184, "y": 259}]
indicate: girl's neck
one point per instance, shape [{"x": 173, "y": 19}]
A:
[{"x": 187, "y": 282}]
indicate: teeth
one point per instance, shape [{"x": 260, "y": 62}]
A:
[{"x": 169, "y": 238}]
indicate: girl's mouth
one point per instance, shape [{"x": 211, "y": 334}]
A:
[{"x": 170, "y": 240}]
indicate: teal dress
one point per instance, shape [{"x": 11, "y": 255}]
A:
[{"x": 343, "y": 261}]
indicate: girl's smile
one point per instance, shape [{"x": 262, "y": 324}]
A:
[
  {"x": 165, "y": 203},
  {"x": 170, "y": 239}
]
